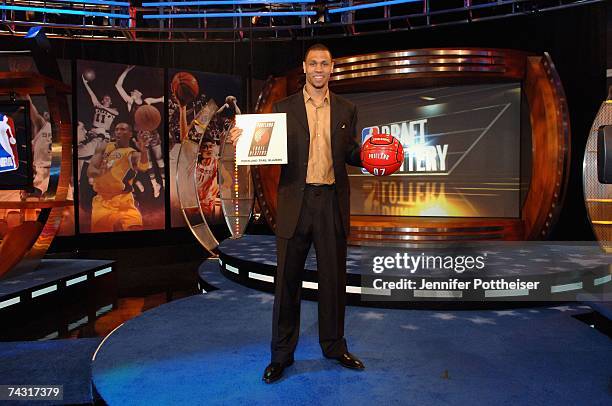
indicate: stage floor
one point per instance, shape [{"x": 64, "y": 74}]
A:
[
  {"x": 561, "y": 269},
  {"x": 211, "y": 349}
]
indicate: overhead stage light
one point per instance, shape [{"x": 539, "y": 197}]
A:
[{"x": 32, "y": 32}]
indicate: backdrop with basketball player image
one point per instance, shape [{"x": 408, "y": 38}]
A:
[
  {"x": 39, "y": 123},
  {"x": 121, "y": 169},
  {"x": 201, "y": 107}
]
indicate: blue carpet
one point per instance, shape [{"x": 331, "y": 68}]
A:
[
  {"x": 53, "y": 362},
  {"x": 212, "y": 349}
]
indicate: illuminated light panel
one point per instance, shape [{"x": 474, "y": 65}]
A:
[
  {"x": 51, "y": 336},
  {"x": 104, "y": 309},
  {"x": 438, "y": 293},
  {"x": 260, "y": 277},
  {"x": 310, "y": 285},
  {"x": 506, "y": 292},
  {"x": 102, "y": 272},
  {"x": 566, "y": 287},
  {"x": 74, "y": 281},
  {"x": 9, "y": 302},
  {"x": 220, "y": 3},
  {"x": 368, "y": 291},
  {"x": 602, "y": 280},
  {"x": 231, "y": 268},
  {"x": 44, "y": 291},
  {"x": 354, "y": 289},
  {"x": 64, "y": 11},
  {"x": 78, "y": 323},
  {"x": 226, "y": 15},
  {"x": 371, "y": 5}
]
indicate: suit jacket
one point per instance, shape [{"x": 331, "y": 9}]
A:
[{"x": 345, "y": 149}]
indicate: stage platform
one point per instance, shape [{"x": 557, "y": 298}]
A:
[
  {"x": 563, "y": 270},
  {"x": 212, "y": 348},
  {"x": 70, "y": 292}
]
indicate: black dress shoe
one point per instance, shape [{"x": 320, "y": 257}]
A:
[
  {"x": 348, "y": 360},
  {"x": 274, "y": 371}
]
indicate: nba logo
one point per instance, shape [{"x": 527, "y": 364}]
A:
[
  {"x": 9, "y": 160},
  {"x": 366, "y": 133}
]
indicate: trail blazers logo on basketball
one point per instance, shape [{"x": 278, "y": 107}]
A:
[{"x": 419, "y": 154}]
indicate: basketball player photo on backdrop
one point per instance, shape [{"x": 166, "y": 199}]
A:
[
  {"x": 120, "y": 113},
  {"x": 201, "y": 109}
]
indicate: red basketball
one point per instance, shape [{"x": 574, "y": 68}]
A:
[
  {"x": 382, "y": 154},
  {"x": 147, "y": 118},
  {"x": 185, "y": 87}
]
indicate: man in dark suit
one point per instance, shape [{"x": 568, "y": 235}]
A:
[{"x": 313, "y": 207}]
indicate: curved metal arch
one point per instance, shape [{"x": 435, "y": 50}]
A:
[
  {"x": 30, "y": 242},
  {"x": 598, "y": 196},
  {"x": 186, "y": 184}
]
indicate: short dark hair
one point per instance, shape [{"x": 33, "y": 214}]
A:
[
  {"x": 123, "y": 122},
  {"x": 317, "y": 47}
]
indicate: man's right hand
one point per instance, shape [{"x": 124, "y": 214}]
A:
[{"x": 235, "y": 134}]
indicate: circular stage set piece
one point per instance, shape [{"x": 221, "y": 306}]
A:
[
  {"x": 211, "y": 349},
  {"x": 562, "y": 271}
]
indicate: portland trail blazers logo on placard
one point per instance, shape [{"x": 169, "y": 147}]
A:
[
  {"x": 9, "y": 159},
  {"x": 261, "y": 138}
]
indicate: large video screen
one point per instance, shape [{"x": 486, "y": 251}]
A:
[
  {"x": 15, "y": 159},
  {"x": 461, "y": 152}
]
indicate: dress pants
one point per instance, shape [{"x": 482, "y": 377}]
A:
[{"x": 319, "y": 223}]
